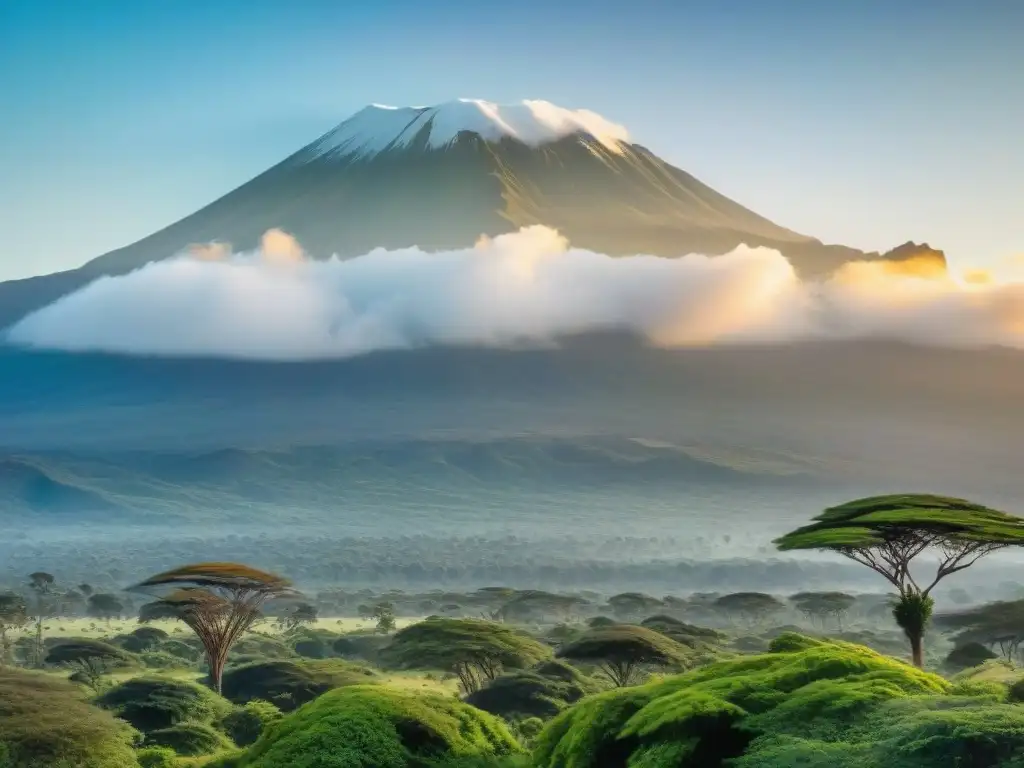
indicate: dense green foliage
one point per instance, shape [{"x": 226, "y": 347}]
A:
[
  {"x": 966, "y": 656},
  {"x": 692, "y": 636},
  {"x": 144, "y": 639},
  {"x": 190, "y": 739},
  {"x": 154, "y": 703},
  {"x": 290, "y": 684},
  {"x": 82, "y": 649},
  {"x": 157, "y": 757},
  {"x": 874, "y": 520},
  {"x": 45, "y": 722},
  {"x": 363, "y": 726},
  {"x": 713, "y": 714},
  {"x": 542, "y": 691},
  {"x": 914, "y": 732},
  {"x": 247, "y": 723},
  {"x": 473, "y": 650},
  {"x": 624, "y": 652}
]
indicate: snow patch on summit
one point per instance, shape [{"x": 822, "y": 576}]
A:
[{"x": 378, "y": 127}]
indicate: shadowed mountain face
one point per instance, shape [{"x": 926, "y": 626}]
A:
[
  {"x": 602, "y": 426},
  {"x": 616, "y": 201}
]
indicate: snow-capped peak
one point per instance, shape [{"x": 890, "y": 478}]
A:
[{"x": 379, "y": 127}]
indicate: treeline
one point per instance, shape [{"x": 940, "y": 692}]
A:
[{"x": 418, "y": 563}]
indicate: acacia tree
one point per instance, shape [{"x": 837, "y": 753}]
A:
[
  {"x": 821, "y": 605},
  {"x": 384, "y": 614},
  {"x": 298, "y": 614},
  {"x": 755, "y": 607},
  {"x": 537, "y": 604},
  {"x": 996, "y": 625},
  {"x": 45, "y": 605},
  {"x": 624, "y": 652},
  {"x": 13, "y": 615},
  {"x": 633, "y": 605},
  {"x": 473, "y": 650},
  {"x": 104, "y": 606},
  {"x": 887, "y": 534},
  {"x": 217, "y": 601}
]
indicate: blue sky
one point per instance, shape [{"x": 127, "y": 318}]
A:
[{"x": 866, "y": 123}]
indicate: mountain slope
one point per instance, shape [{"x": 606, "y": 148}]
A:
[
  {"x": 439, "y": 177},
  {"x": 411, "y": 478}
]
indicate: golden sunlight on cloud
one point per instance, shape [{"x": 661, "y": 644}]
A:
[
  {"x": 215, "y": 251},
  {"x": 278, "y": 247},
  {"x": 978, "y": 277},
  {"x": 917, "y": 267}
]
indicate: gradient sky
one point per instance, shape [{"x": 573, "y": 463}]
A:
[{"x": 866, "y": 123}]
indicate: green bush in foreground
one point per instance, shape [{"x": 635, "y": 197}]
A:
[
  {"x": 154, "y": 703},
  {"x": 190, "y": 739},
  {"x": 912, "y": 732},
  {"x": 712, "y": 714},
  {"x": 45, "y": 722},
  {"x": 155, "y": 757},
  {"x": 247, "y": 723},
  {"x": 542, "y": 691},
  {"x": 290, "y": 684},
  {"x": 363, "y": 726}
]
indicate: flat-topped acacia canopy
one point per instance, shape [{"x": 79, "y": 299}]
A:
[
  {"x": 234, "y": 576},
  {"x": 876, "y": 520}
]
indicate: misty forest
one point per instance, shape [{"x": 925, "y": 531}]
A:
[{"x": 225, "y": 664}]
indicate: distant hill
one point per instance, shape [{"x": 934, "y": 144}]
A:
[{"x": 332, "y": 483}]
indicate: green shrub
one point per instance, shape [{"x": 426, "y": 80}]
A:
[
  {"x": 157, "y": 757},
  {"x": 904, "y": 732},
  {"x": 263, "y": 646},
  {"x": 380, "y": 727},
  {"x": 154, "y": 703},
  {"x": 78, "y": 649},
  {"x": 1016, "y": 691},
  {"x": 247, "y": 723},
  {"x": 360, "y": 645},
  {"x": 181, "y": 650},
  {"x": 190, "y": 739},
  {"x": 981, "y": 689},
  {"x": 472, "y": 649},
  {"x": 45, "y": 722},
  {"x": 290, "y": 684},
  {"x": 143, "y": 639},
  {"x": 712, "y": 714},
  {"x": 967, "y": 656},
  {"x": 312, "y": 648},
  {"x": 540, "y": 692}
]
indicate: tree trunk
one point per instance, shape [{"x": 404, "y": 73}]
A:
[
  {"x": 39, "y": 643},
  {"x": 912, "y": 612},
  {"x": 216, "y": 663},
  {"x": 917, "y": 650}
]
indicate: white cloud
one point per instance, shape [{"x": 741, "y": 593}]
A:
[{"x": 526, "y": 288}]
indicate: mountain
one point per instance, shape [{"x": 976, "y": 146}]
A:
[
  {"x": 367, "y": 483},
  {"x": 440, "y": 177}
]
